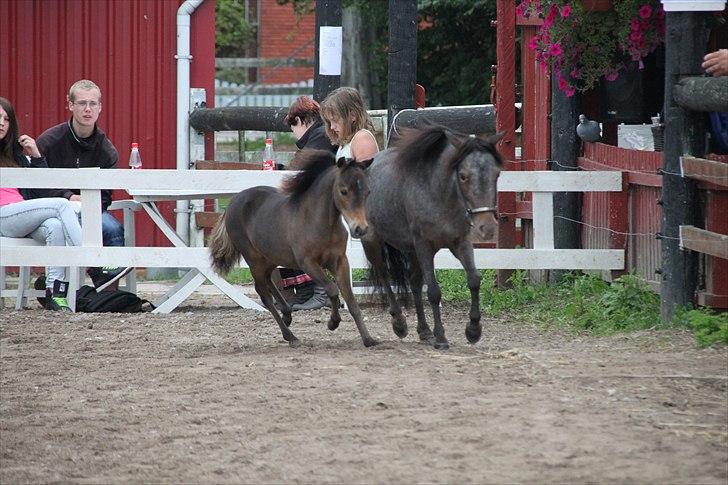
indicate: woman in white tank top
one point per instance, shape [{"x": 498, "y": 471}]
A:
[{"x": 348, "y": 125}]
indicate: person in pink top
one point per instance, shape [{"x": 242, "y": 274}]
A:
[{"x": 52, "y": 220}]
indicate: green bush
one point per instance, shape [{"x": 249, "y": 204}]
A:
[{"x": 708, "y": 327}]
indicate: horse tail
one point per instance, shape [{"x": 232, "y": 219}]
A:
[
  {"x": 222, "y": 252},
  {"x": 396, "y": 271}
]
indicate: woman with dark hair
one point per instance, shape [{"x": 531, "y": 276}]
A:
[
  {"x": 50, "y": 220},
  {"x": 305, "y": 122}
]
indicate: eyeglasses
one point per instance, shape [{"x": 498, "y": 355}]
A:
[{"x": 85, "y": 104}]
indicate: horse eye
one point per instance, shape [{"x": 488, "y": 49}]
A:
[
  {"x": 344, "y": 191},
  {"x": 464, "y": 177}
]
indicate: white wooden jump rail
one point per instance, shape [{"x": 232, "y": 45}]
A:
[{"x": 92, "y": 252}]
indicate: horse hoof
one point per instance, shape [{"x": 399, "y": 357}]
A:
[
  {"x": 426, "y": 336},
  {"x": 441, "y": 345},
  {"x": 333, "y": 325},
  {"x": 294, "y": 343},
  {"x": 370, "y": 342},
  {"x": 473, "y": 333}
]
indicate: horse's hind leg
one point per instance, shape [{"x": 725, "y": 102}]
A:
[
  {"x": 373, "y": 252},
  {"x": 341, "y": 274},
  {"x": 423, "y": 330},
  {"x": 464, "y": 252},
  {"x": 427, "y": 265},
  {"x": 284, "y": 305},
  {"x": 261, "y": 277}
]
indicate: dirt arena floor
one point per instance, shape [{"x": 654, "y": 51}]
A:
[{"x": 211, "y": 394}]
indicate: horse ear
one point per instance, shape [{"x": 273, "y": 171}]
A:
[
  {"x": 342, "y": 162},
  {"x": 454, "y": 140},
  {"x": 494, "y": 139}
]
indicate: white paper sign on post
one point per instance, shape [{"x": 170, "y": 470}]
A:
[{"x": 330, "y": 51}]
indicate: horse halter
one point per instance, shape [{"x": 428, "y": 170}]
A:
[{"x": 475, "y": 210}]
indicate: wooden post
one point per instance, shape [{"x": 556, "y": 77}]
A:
[
  {"x": 402, "y": 61},
  {"x": 505, "y": 81},
  {"x": 328, "y": 13},
  {"x": 564, "y": 151},
  {"x": 685, "y": 41}
]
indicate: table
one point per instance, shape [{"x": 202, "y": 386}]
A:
[{"x": 197, "y": 275}]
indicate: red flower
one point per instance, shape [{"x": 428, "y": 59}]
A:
[
  {"x": 569, "y": 91},
  {"x": 635, "y": 36},
  {"x": 565, "y": 11},
  {"x": 634, "y": 25},
  {"x": 645, "y": 11},
  {"x": 555, "y": 49}
]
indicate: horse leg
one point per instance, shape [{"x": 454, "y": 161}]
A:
[
  {"x": 464, "y": 252},
  {"x": 426, "y": 258},
  {"x": 261, "y": 278},
  {"x": 318, "y": 275},
  {"x": 341, "y": 275},
  {"x": 373, "y": 252},
  {"x": 285, "y": 306},
  {"x": 423, "y": 330}
]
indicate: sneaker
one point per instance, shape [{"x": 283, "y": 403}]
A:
[
  {"x": 319, "y": 300},
  {"x": 106, "y": 276},
  {"x": 57, "y": 300}
]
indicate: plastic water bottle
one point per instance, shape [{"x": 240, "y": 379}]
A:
[
  {"x": 135, "y": 160},
  {"x": 268, "y": 161}
]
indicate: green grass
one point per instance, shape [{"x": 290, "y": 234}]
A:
[
  {"x": 239, "y": 276},
  {"x": 583, "y": 303}
]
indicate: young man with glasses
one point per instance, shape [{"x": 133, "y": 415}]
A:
[{"x": 77, "y": 143}]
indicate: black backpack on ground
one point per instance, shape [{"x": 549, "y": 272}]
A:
[{"x": 113, "y": 301}]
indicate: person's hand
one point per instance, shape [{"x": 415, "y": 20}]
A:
[
  {"x": 75, "y": 197},
  {"x": 716, "y": 63},
  {"x": 29, "y": 146}
]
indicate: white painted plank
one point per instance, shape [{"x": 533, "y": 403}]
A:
[
  {"x": 91, "y": 232},
  {"x": 546, "y": 181},
  {"x": 543, "y": 220}
]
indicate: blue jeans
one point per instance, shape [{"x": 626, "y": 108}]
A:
[
  {"x": 49, "y": 220},
  {"x": 112, "y": 231}
]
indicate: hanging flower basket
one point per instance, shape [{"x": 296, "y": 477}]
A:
[{"x": 587, "y": 40}]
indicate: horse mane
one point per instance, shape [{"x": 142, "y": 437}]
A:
[
  {"x": 311, "y": 163},
  {"x": 415, "y": 145},
  {"x": 472, "y": 144}
]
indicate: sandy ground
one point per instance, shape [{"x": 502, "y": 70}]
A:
[{"x": 211, "y": 394}]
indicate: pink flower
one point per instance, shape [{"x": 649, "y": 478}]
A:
[
  {"x": 645, "y": 11},
  {"x": 569, "y": 91},
  {"x": 555, "y": 50},
  {"x": 566, "y": 11},
  {"x": 635, "y": 36},
  {"x": 519, "y": 10},
  {"x": 634, "y": 25},
  {"x": 562, "y": 83},
  {"x": 533, "y": 43},
  {"x": 611, "y": 76}
]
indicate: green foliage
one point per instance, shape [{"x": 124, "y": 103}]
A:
[
  {"x": 239, "y": 276},
  {"x": 709, "y": 327},
  {"x": 232, "y": 33},
  {"x": 454, "y": 55}
]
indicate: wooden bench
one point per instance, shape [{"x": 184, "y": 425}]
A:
[{"x": 24, "y": 290}]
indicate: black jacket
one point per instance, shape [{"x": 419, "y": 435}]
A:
[
  {"x": 39, "y": 162},
  {"x": 315, "y": 137},
  {"x": 64, "y": 149}
]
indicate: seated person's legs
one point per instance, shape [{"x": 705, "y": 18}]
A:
[
  {"x": 111, "y": 230},
  {"x": 56, "y": 285}
]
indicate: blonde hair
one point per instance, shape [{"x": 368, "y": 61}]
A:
[
  {"x": 347, "y": 104},
  {"x": 84, "y": 84}
]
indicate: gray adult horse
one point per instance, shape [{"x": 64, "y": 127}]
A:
[
  {"x": 427, "y": 193},
  {"x": 298, "y": 226}
]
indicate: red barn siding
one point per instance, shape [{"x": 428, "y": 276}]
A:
[
  {"x": 127, "y": 48},
  {"x": 282, "y": 36}
]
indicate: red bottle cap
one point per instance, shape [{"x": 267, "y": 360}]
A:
[{"x": 135, "y": 145}]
